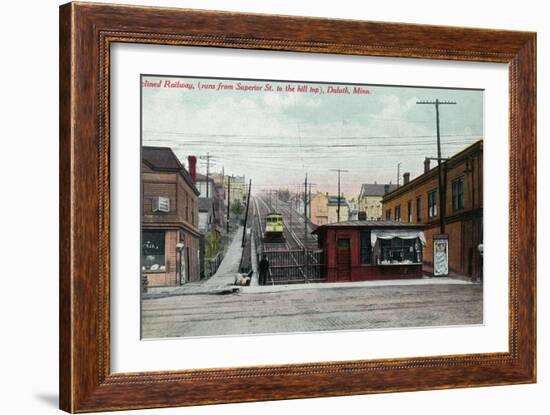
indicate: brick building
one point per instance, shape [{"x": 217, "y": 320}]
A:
[
  {"x": 170, "y": 234},
  {"x": 417, "y": 201}
]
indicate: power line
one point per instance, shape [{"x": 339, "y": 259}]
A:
[
  {"x": 319, "y": 150},
  {"x": 290, "y": 137}
]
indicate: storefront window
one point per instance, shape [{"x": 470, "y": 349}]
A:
[
  {"x": 366, "y": 248},
  {"x": 152, "y": 251},
  {"x": 397, "y": 250}
]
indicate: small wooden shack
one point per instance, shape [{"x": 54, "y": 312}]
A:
[{"x": 371, "y": 250}]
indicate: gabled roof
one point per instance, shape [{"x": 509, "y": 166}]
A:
[
  {"x": 160, "y": 158},
  {"x": 333, "y": 201},
  {"x": 163, "y": 159},
  {"x": 375, "y": 189},
  {"x": 202, "y": 178}
]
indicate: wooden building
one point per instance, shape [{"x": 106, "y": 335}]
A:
[
  {"x": 211, "y": 189},
  {"x": 324, "y": 208},
  {"x": 319, "y": 208},
  {"x": 370, "y": 250},
  {"x": 369, "y": 200},
  {"x": 170, "y": 234},
  {"x": 417, "y": 201},
  {"x": 333, "y": 206}
]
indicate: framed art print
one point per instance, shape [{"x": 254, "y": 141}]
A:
[{"x": 300, "y": 207}]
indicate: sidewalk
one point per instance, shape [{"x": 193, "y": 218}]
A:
[
  {"x": 219, "y": 283},
  {"x": 254, "y": 261},
  {"x": 373, "y": 283},
  {"x": 223, "y": 281},
  {"x": 229, "y": 268},
  {"x": 428, "y": 271}
]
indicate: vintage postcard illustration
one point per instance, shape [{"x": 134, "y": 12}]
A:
[{"x": 274, "y": 206}]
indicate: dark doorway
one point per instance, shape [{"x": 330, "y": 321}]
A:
[{"x": 343, "y": 259}]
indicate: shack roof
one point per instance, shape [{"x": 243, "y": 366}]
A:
[{"x": 372, "y": 224}]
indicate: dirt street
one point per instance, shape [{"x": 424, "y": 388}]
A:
[{"x": 306, "y": 310}]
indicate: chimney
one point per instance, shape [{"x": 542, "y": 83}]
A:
[
  {"x": 426, "y": 165},
  {"x": 192, "y": 167},
  {"x": 406, "y": 178}
]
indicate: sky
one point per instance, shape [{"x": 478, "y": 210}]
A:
[{"x": 274, "y": 132}]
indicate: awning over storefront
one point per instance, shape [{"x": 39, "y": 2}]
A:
[{"x": 396, "y": 233}]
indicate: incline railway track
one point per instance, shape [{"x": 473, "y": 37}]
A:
[
  {"x": 292, "y": 260},
  {"x": 294, "y": 221},
  {"x": 291, "y": 241}
]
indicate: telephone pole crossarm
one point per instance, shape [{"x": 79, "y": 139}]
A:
[
  {"x": 436, "y": 101},
  {"x": 209, "y": 160}
]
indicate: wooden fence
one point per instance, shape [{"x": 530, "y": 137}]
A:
[{"x": 294, "y": 266}]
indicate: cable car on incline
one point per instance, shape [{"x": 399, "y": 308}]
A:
[{"x": 274, "y": 227}]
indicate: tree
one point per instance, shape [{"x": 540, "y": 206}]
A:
[
  {"x": 213, "y": 240},
  {"x": 236, "y": 207},
  {"x": 284, "y": 195}
]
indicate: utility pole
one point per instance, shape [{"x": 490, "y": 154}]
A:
[
  {"x": 228, "y": 200},
  {"x": 305, "y": 210},
  {"x": 441, "y": 185},
  {"x": 243, "y": 243},
  {"x": 208, "y": 157},
  {"x": 290, "y": 210},
  {"x": 223, "y": 179},
  {"x": 309, "y": 199},
  {"x": 338, "y": 210},
  {"x": 398, "y": 173},
  {"x": 309, "y": 205}
]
